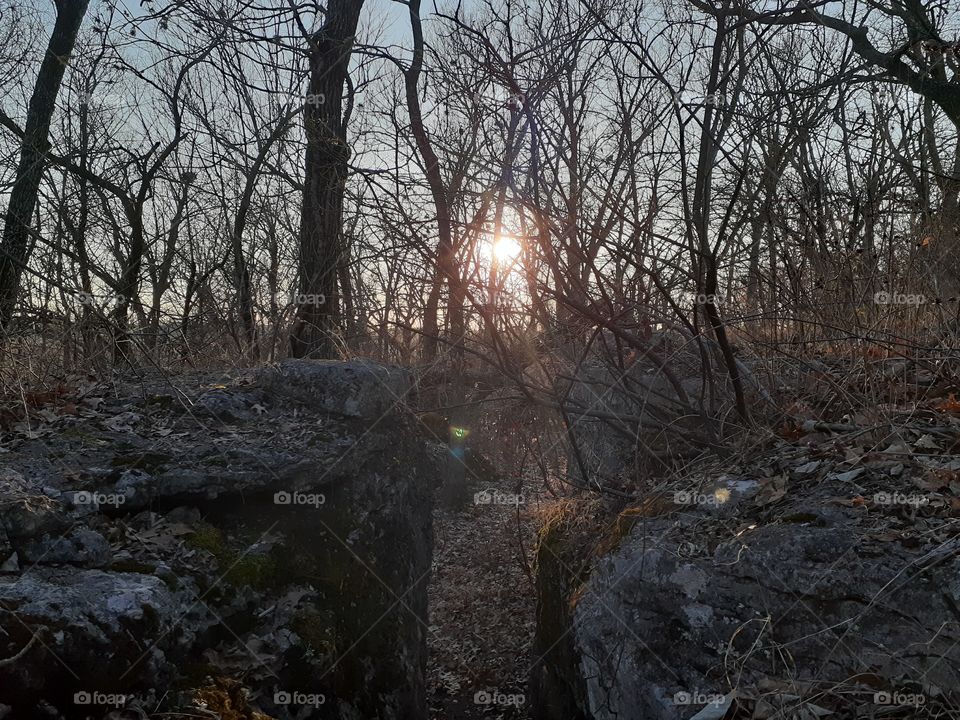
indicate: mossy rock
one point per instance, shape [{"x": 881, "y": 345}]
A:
[
  {"x": 207, "y": 537},
  {"x": 316, "y": 630},
  {"x": 227, "y": 699},
  {"x": 562, "y": 574},
  {"x": 164, "y": 402},
  {"x": 78, "y": 433},
  {"x": 148, "y": 461},
  {"x": 652, "y": 507},
  {"x": 238, "y": 567}
]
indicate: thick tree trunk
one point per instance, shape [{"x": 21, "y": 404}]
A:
[
  {"x": 14, "y": 249},
  {"x": 314, "y": 332}
]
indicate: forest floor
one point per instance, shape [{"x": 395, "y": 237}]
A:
[{"x": 482, "y": 608}]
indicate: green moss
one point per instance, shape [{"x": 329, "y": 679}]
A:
[
  {"x": 256, "y": 571},
  {"x": 79, "y": 433},
  {"x": 316, "y": 630},
  {"x": 239, "y": 569},
  {"x": 165, "y": 402},
  {"x": 147, "y": 461},
  {"x": 208, "y": 538}
]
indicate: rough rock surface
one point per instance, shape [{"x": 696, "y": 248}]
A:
[
  {"x": 755, "y": 598},
  {"x": 654, "y": 402},
  {"x": 273, "y": 527},
  {"x": 612, "y": 411}
]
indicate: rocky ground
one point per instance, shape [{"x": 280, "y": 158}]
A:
[
  {"x": 813, "y": 573},
  {"x": 193, "y": 544},
  {"x": 482, "y": 604},
  {"x": 212, "y": 546}
]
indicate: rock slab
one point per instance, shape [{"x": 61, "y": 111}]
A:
[{"x": 273, "y": 527}]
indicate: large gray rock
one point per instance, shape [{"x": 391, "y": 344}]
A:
[
  {"x": 662, "y": 401},
  {"x": 80, "y": 546},
  {"x": 92, "y": 628},
  {"x": 694, "y": 610},
  {"x": 307, "y": 575},
  {"x": 355, "y": 389},
  {"x": 613, "y": 413}
]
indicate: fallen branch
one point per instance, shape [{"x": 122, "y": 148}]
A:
[{"x": 26, "y": 648}]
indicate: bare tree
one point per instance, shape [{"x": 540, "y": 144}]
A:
[
  {"x": 327, "y": 155},
  {"x": 14, "y": 247}
]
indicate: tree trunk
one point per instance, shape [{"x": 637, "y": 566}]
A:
[
  {"x": 129, "y": 287},
  {"x": 241, "y": 271},
  {"x": 314, "y": 332},
  {"x": 446, "y": 270},
  {"x": 14, "y": 250}
]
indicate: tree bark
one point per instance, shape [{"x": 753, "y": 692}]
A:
[
  {"x": 446, "y": 270},
  {"x": 315, "y": 329},
  {"x": 14, "y": 249}
]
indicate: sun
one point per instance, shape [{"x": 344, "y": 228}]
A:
[{"x": 506, "y": 249}]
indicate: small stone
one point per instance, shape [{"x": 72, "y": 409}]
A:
[
  {"x": 10, "y": 565},
  {"x": 184, "y": 514},
  {"x": 81, "y": 546}
]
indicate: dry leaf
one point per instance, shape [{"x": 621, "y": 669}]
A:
[
  {"x": 933, "y": 479},
  {"x": 951, "y": 405},
  {"x": 926, "y": 442},
  {"x": 716, "y": 710},
  {"x": 853, "y": 455},
  {"x": 772, "y": 490},
  {"x": 849, "y": 475}
]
